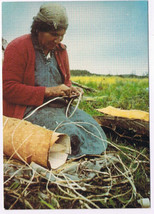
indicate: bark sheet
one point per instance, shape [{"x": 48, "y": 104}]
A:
[
  {"x": 32, "y": 143},
  {"x": 130, "y": 114}
]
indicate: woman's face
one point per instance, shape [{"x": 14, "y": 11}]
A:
[{"x": 49, "y": 40}]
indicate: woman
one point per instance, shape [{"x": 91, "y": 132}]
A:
[{"x": 35, "y": 70}]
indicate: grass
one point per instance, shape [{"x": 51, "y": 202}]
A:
[
  {"x": 119, "y": 185},
  {"x": 124, "y": 93},
  {"x": 126, "y": 181}
]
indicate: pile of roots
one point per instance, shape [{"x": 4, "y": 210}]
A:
[{"x": 119, "y": 178}]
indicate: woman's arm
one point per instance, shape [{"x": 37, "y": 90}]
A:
[{"x": 17, "y": 84}]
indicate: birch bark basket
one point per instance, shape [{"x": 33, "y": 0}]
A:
[{"x": 31, "y": 143}]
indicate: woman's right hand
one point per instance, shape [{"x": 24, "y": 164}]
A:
[{"x": 58, "y": 91}]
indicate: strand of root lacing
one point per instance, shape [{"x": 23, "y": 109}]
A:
[{"x": 67, "y": 186}]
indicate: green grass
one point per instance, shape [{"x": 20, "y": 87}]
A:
[{"x": 124, "y": 93}]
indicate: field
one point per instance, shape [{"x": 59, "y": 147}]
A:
[
  {"x": 120, "y": 183},
  {"x": 119, "y": 92}
]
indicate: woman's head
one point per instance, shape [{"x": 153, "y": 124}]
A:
[
  {"x": 50, "y": 21},
  {"x": 51, "y": 17}
]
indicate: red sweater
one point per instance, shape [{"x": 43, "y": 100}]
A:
[{"x": 19, "y": 76}]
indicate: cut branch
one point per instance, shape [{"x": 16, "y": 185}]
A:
[{"x": 84, "y": 87}]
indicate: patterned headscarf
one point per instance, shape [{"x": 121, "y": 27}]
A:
[{"x": 53, "y": 14}]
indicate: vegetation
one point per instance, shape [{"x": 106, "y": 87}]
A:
[
  {"x": 117, "y": 185},
  {"x": 125, "y": 93},
  {"x": 80, "y": 73},
  {"x": 87, "y": 73}
]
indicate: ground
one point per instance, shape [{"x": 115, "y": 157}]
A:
[{"x": 124, "y": 177}]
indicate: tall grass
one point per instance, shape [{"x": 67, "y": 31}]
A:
[{"x": 124, "y": 93}]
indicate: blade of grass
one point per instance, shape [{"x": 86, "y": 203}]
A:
[{"x": 47, "y": 204}]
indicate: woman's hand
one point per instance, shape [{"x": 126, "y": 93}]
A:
[
  {"x": 58, "y": 91},
  {"x": 63, "y": 91},
  {"x": 76, "y": 91}
]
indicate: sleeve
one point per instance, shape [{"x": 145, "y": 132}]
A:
[
  {"x": 15, "y": 91},
  {"x": 67, "y": 69}
]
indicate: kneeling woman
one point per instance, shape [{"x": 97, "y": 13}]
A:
[{"x": 35, "y": 70}]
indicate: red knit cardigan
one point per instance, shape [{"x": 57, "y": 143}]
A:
[{"x": 19, "y": 76}]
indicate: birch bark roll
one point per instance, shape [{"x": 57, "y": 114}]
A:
[{"x": 25, "y": 141}]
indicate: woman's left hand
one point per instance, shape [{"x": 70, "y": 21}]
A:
[{"x": 76, "y": 91}]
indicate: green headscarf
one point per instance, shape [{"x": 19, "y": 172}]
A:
[{"x": 53, "y": 14}]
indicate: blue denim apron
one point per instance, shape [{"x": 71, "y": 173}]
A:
[{"x": 85, "y": 127}]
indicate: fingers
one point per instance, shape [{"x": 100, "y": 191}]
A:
[
  {"x": 80, "y": 90},
  {"x": 67, "y": 93},
  {"x": 65, "y": 90},
  {"x": 76, "y": 91},
  {"x": 62, "y": 94}
]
